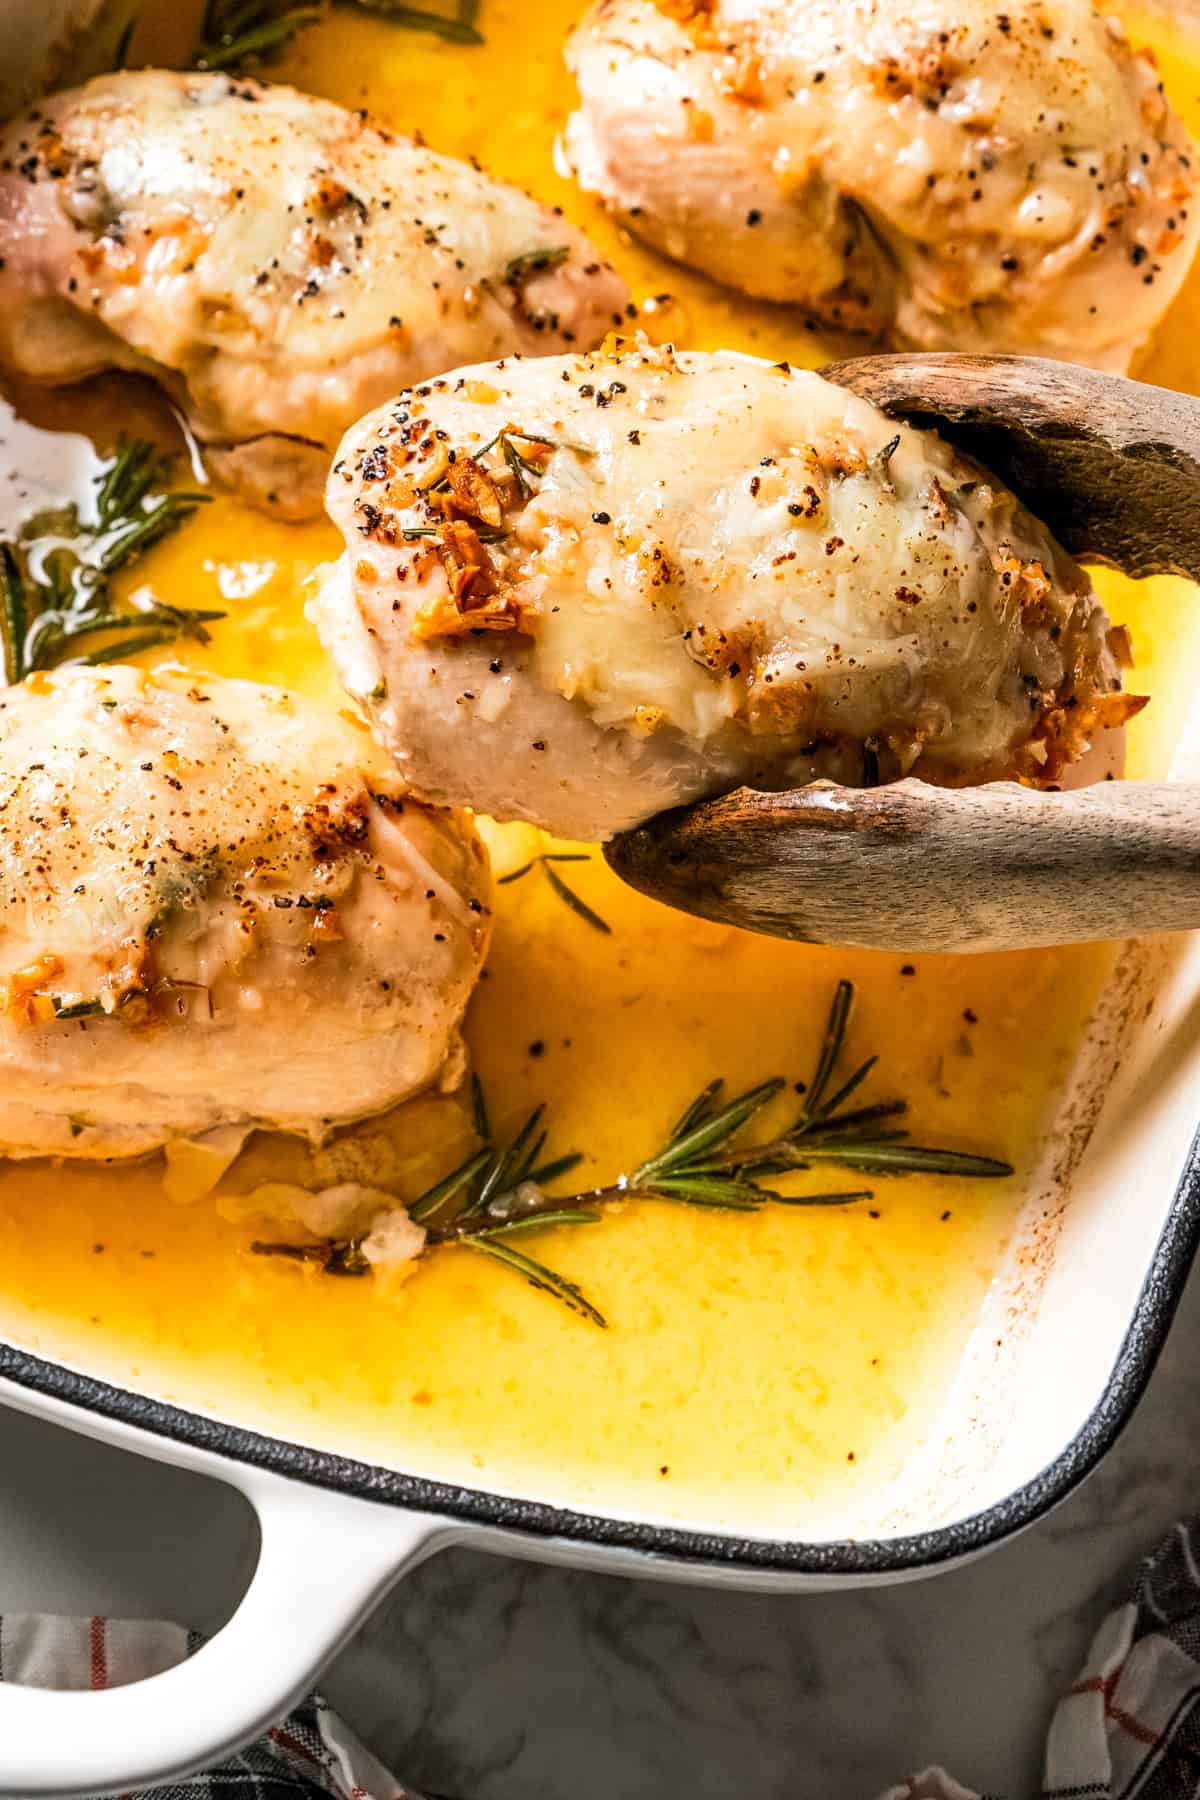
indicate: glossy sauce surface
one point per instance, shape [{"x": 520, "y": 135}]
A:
[{"x": 787, "y": 1366}]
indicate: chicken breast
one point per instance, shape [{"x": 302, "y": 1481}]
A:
[
  {"x": 216, "y": 909},
  {"x": 581, "y": 589},
  {"x": 951, "y": 177},
  {"x": 279, "y": 264}
]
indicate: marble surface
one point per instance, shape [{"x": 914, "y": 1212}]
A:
[{"x": 485, "y": 1679}]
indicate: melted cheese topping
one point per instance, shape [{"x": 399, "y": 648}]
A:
[
  {"x": 217, "y": 908},
  {"x": 791, "y": 1364},
  {"x": 965, "y": 178},
  {"x": 728, "y": 571},
  {"x": 281, "y": 263}
]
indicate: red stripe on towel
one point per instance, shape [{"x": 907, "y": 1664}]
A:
[
  {"x": 99, "y": 1654},
  {"x": 278, "y": 1734}
]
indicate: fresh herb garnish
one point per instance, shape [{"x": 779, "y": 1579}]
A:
[
  {"x": 459, "y": 27},
  {"x": 75, "y": 1009},
  {"x": 487, "y": 534},
  {"x": 882, "y": 458},
  {"x": 449, "y": 1185},
  {"x": 519, "y": 464},
  {"x": 499, "y": 1191},
  {"x": 566, "y": 894},
  {"x": 233, "y": 31},
  {"x": 14, "y": 602},
  {"x": 181, "y": 887},
  {"x": 534, "y": 262},
  {"x": 55, "y": 579},
  {"x": 548, "y": 1281},
  {"x": 121, "y": 48}
]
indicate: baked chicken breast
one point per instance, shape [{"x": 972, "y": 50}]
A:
[
  {"x": 580, "y": 589},
  {"x": 216, "y": 909},
  {"x": 950, "y": 177},
  {"x": 278, "y": 263}
]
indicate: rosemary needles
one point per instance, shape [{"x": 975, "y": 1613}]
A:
[
  {"x": 499, "y": 1193},
  {"x": 237, "y": 31},
  {"x": 570, "y": 899},
  {"x": 458, "y": 27},
  {"x": 234, "y": 30},
  {"x": 55, "y": 579}
]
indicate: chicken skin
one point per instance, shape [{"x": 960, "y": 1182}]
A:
[
  {"x": 278, "y": 263},
  {"x": 968, "y": 177},
  {"x": 578, "y": 590},
  {"x": 216, "y": 910}
]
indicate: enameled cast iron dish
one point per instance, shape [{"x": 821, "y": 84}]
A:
[{"x": 1068, "y": 1341}]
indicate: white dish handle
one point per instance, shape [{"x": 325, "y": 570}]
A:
[{"x": 324, "y": 1562}]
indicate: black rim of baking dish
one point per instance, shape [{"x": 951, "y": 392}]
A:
[{"x": 849, "y": 1558}]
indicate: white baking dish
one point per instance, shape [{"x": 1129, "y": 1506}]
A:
[{"x": 1071, "y": 1333}]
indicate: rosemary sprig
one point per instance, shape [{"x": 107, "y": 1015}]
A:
[
  {"x": 547, "y": 1281},
  {"x": 55, "y": 580},
  {"x": 55, "y": 629},
  {"x": 499, "y": 1191},
  {"x": 16, "y": 611},
  {"x": 566, "y": 894},
  {"x": 120, "y": 55},
  {"x": 701, "y": 1164},
  {"x": 234, "y": 31},
  {"x": 521, "y": 470},
  {"x": 449, "y": 1185},
  {"x": 458, "y": 27}
]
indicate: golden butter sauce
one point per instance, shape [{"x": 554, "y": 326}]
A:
[{"x": 787, "y": 1365}]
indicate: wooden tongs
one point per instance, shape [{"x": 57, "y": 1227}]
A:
[{"x": 1113, "y": 467}]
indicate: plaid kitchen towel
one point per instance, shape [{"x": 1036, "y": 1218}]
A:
[
  {"x": 1127, "y": 1729},
  {"x": 1130, "y": 1724},
  {"x": 311, "y": 1753}
]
